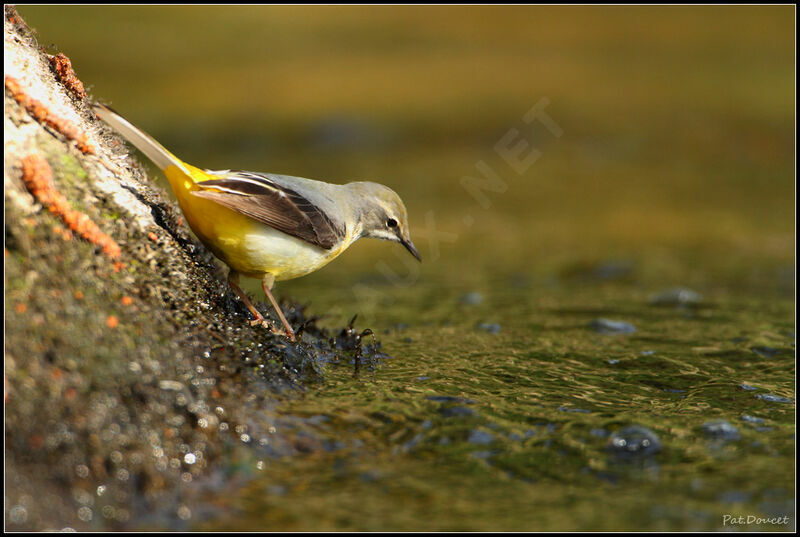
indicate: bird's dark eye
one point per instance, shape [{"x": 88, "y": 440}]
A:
[{"x": 391, "y": 222}]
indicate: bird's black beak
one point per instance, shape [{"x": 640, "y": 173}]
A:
[{"x": 411, "y": 248}]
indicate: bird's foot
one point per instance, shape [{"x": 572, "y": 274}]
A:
[
  {"x": 278, "y": 331},
  {"x": 288, "y": 332}
]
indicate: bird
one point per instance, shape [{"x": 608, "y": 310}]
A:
[{"x": 269, "y": 226}]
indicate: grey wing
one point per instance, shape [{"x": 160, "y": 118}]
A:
[{"x": 275, "y": 205}]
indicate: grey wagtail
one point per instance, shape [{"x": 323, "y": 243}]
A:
[{"x": 272, "y": 227}]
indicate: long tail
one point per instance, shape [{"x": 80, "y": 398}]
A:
[{"x": 143, "y": 141}]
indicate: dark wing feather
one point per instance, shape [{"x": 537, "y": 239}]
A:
[{"x": 274, "y": 205}]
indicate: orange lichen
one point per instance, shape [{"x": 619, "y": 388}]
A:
[
  {"x": 38, "y": 177},
  {"x": 21, "y": 308},
  {"x": 63, "y": 233},
  {"x": 112, "y": 321},
  {"x": 78, "y": 295},
  {"x": 43, "y": 115},
  {"x": 126, "y": 301},
  {"x": 35, "y": 441},
  {"x": 152, "y": 236},
  {"x": 63, "y": 69}
]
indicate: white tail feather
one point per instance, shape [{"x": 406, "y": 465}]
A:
[{"x": 140, "y": 139}]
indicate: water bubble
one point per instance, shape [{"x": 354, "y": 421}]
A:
[
  {"x": 184, "y": 513},
  {"x": 82, "y": 496},
  {"x": 18, "y": 514},
  {"x": 82, "y": 470},
  {"x": 189, "y": 458},
  {"x": 85, "y": 514}
]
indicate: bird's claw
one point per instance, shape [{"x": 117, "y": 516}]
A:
[{"x": 271, "y": 327}]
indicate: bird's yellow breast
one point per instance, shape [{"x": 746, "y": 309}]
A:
[{"x": 244, "y": 244}]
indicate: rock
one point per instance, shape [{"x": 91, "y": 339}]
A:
[
  {"x": 721, "y": 429},
  {"x": 492, "y": 328},
  {"x": 449, "y": 399},
  {"x": 598, "y": 271},
  {"x": 734, "y": 496},
  {"x": 607, "y": 326},
  {"x": 676, "y": 296},
  {"x": 457, "y": 412},
  {"x": 576, "y": 410},
  {"x": 773, "y": 398},
  {"x": 471, "y": 299},
  {"x": 476, "y": 436},
  {"x": 766, "y": 352},
  {"x": 634, "y": 441}
]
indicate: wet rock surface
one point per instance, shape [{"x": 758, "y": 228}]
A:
[{"x": 125, "y": 382}]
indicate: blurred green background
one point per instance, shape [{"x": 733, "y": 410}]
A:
[
  {"x": 678, "y": 121},
  {"x": 675, "y": 168}
]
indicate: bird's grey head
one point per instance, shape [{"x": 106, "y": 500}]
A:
[{"x": 383, "y": 215}]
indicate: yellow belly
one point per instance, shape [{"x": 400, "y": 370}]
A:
[{"x": 246, "y": 245}]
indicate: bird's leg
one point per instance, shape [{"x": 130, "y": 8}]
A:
[
  {"x": 233, "y": 281},
  {"x": 266, "y": 284}
]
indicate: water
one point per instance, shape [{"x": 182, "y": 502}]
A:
[
  {"x": 575, "y": 327},
  {"x": 520, "y": 429}
]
